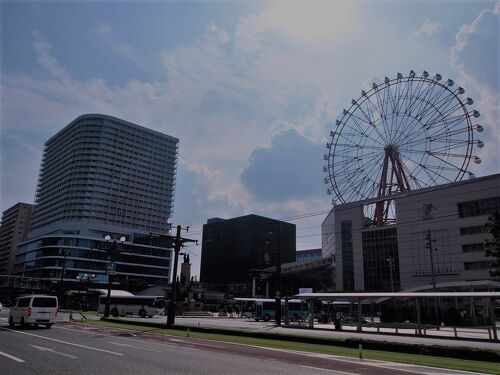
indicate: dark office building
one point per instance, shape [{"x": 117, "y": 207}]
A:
[{"x": 232, "y": 248}]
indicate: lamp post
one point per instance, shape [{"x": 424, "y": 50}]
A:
[
  {"x": 431, "y": 249},
  {"x": 110, "y": 271},
  {"x": 80, "y": 279},
  {"x": 390, "y": 260},
  {"x": 278, "y": 279},
  {"x": 178, "y": 243},
  {"x": 63, "y": 273}
]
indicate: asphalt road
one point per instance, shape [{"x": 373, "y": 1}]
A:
[{"x": 70, "y": 348}]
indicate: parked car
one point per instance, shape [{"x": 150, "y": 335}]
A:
[{"x": 34, "y": 309}]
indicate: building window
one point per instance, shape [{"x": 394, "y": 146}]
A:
[
  {"x": 347, "y": 256},
  {"x": 473, "y": 248},
  {"x": 479, "y": 207},
  {"x": 477, "y": 229},
  {"x": 476, "y": 265},
  {"x": 378, "y": 247}
]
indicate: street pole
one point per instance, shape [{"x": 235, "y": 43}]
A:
[
  {"x": 431, "y": 249},
  {"x": 178, "y": 243},
  {"x": 110, "y": 281},
  {"x": 173, "y": 293},
  {"x": 63, "y": 273},
  {"x": 278, "y": 286},
  {"x": 79, "y": 291},
  {"x": 390, "y": 260}
]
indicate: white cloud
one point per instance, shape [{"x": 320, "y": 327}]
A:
[
  {"x": 428, "y": 29},
  {"x": 315, "y": 21},
  {"x": 45, "y": 58},
  {"x": 230, "y": 92},
  {"x": 476, "y": 58},
  {"x": 105, "y": 32}
]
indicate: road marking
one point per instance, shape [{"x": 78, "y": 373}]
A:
[
  {"x": 136, "y": 347},
  {"x": 326, "y": 369},
  {"x": 132, "y": 339},
  {"x": 43, "y": 349},
  {"x": 12, "y": 357},
  {"x": 61, "y": 341}
]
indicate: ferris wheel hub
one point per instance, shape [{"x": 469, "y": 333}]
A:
[{"x": 403, "y": 134}]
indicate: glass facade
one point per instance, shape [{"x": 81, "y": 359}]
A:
[
  {"x": 378, "y": 247},
  {"x": 232, "y": 248},
  {"x": 306, "y": 255},
  {"x": 347, "y": 256},
  {"x": 47, "y": 257},
  {"x": 102, "y": 175}
]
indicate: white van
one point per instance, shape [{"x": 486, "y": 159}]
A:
[{"x": 35, "y": 309}]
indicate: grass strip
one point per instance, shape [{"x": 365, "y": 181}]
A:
[{"x": 326, "y": 348}]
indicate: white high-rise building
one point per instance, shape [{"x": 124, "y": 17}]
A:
[
  {"x": 101, "y": 176},
  {"x": 106, "y": 171}
]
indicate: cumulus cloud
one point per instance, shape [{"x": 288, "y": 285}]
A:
[
  {"x": 475, "y": 57},
  {"x": 251, "y": 106},
  {"x": 428, "y": 29},
  {"x": 289, "y": 169}
]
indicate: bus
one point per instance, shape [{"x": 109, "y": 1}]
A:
[
  {"x": 265, "y": 309},
  {"x": 142, "y": 306}
]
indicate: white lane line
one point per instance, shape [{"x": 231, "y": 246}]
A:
[
  {"x": 12, "y": 357},
  {"x": 326, "y": 369},
  {"x": 174, "y": 346},
  {"x": 43, "y": 349},
  {"x": 61, "y": 341},
  {"x": 136, "y": 347}
]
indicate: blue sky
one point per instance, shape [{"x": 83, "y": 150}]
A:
[{"x": 250, "y": 88}]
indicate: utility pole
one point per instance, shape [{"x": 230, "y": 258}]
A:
[
  {"x": 178, "y": 243},
  {"x": 111, "y": 270},
  {"x": 63, "y": 273},
  {"x": 390, "y": 260},
  {"x": 429, "y": 245},
  {"x": 278, "y": 280}
]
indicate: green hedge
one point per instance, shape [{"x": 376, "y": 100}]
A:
[{"x": 434, "y": 350}]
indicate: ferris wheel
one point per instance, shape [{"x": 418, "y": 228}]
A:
[{"x": 404, "y": 134}]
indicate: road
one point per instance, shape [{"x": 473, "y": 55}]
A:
[{"x": 82, "y": 349}]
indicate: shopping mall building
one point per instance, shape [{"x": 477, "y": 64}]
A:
[{"x": 396, "y": 255}]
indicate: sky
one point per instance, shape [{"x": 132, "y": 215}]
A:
[{"x": 251, "y": 88}]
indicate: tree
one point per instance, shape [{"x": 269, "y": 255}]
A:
[{"x": 492, "y": 246}]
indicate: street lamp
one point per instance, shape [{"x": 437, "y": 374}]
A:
[
  {"x": 110, "y": 271},
  {"x": 429, "y": 245},
  {"x": 278, "y": 279},
  {"x": 63, "y": 273},
  {"x": 390, "y": 260},
  {"x": 178, "y": 243}
]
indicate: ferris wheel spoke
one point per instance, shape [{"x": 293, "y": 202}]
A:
[
  {"x": 415, "y": 124},
  {"x": 425, "y": 98},
  {"x": 446, "y": 162},
  {"x": 416, "y": 93},
  {"x": 444, "y": 115}
]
